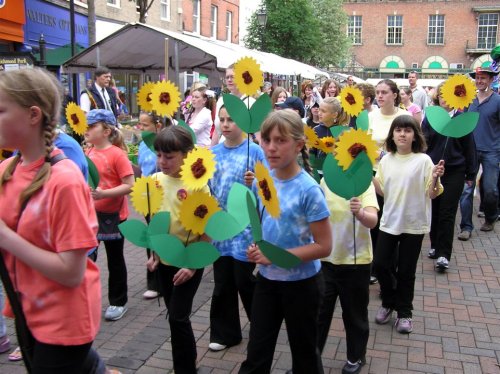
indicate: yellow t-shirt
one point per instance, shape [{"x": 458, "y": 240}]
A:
[
  {"x": 174, "y": 192},
  {"x": 343, "y": 232}
]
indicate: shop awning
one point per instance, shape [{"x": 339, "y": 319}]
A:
[
  {"x": 57, "y": 56},
  {"x": 142, "y": 47},
  {"x": 12, "y": 20}
]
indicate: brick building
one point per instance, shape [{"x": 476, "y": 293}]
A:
[{"x": 435, "y": 38}]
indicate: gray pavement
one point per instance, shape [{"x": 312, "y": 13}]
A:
[{"x": 456, "y": 322}]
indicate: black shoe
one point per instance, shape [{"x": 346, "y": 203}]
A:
[
  {"x": 373, "y": 280},
  {"x": 353, "y": 368},
  {"x": 289, "y": 371}
]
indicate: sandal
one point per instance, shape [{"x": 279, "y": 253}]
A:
[{"x": 16, "y": 355}]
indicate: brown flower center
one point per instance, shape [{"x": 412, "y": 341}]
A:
[
  {"x": 201, "y": 211},
  {"x": 460, "y": 90},
  {"x": 247, "y": 77},
  {"x": 165, "y": 98},
  {"x": 329, "y": 143},
  {"x": 264, "y": 186},
  {"x": 198, "y": 168},
  {"x": 75, "y": 119},
  {"x": 355, "y": 149},
  {"x": 350, "y": 99},
  {"x": 148, "y": 97}
]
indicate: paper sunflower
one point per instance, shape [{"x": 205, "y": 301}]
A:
[
  {"x": 351, "y": 99},
  {"x": 196, "y": 209},
  {"x": 165, "y": 98},
  {"x": 76, "y": 118},
  {"x": 144, "y": 96},
  {"x": 327, "y": 144},
  {"x": 312, "y": 139},
  {"x": 146, "y": 195},
  {"x": 198, "y": 168},
  {"x": 458, "y": 91},
  {"x": 267, "y": 191},
  {"x": 248, "y": 76},
  {"x": 351, "y": 143}
]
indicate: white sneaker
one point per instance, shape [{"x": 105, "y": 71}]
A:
[
  {"x": 216, "y": 347},
  {"x": 114, "y": 313},
  {"x": 442, "y": 263},
  {"x": 150, "y": 294}
]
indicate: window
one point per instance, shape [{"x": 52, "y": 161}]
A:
[
  {"x": 394, "y": 29},
  {"x": 213, "y": 22},
  {"x": 165, "y": 10},
  {"x": 487, "y": 30},
  {"x": 435, "y": 34},
  {"x": 196, "y": 16},
  {"x": 229, "y": 25},
  {"x": 115, "y": 3},
  {"x": 354, "y": 29}
]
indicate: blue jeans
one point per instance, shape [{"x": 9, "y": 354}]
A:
[
  {"x": 466, "y": 202},
  {"x": 3, "y": 328}
]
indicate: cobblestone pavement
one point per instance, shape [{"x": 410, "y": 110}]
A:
[{"x": 456, "y": 322}]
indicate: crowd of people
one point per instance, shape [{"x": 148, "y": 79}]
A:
[{"x": 420, "y": 178}]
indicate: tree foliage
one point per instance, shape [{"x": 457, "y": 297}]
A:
[{"x": 311, "y": 31}]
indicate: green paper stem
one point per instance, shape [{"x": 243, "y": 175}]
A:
[
  {"x": 254, "y": 219},
  {"x": 354, "y": 235}
]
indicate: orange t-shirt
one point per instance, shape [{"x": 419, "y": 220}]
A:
[
  {"x": 112, "y": 164},
  {"x": 59, "y": 217}
]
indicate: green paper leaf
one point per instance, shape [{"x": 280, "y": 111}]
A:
[
  {"x": 93, "y": 174},
  {"x": 278, "y": 256},
  {"x": 352, "y": 182},
  {"x": 238, "y": 112},
  {"x": 362, "y": 121},
  {"x": 159, "y": 224},
  {"x": 200, "y": 254},
  {"x": 236, "y": 203},
  {"x": 222, "y": 226},
  {"x": 135, "y": 232},
  {"x": 169, "y": 248},
  {"x": 254, "y": 218},
  {"x": 148, "y": 138},
  {"x": 456, "y": 127},
  {"x": 258, "y": 111},
  {"x": 337, "y": 130},
  {"x": 187, "y": 127}
]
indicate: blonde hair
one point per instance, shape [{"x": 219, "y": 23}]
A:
[
  {"x": 342, "y": 118},
  {"x": 28, "y": 88},
  {"x": 289, "y": 124}
]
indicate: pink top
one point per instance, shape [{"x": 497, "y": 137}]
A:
[{"x": 414, "y": 109}]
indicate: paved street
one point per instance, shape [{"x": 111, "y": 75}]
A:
[{"x": 456, "y": 323}]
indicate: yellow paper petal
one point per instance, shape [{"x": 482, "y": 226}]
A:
[
  {"x": 165, "y": 98},
  {"x": 146, "y": 192},
  {"x": 351, "y": 99},
  {"x": 76, "y": 118},
  {"x": 198, "y": 168},
  {"x": 458, "y": 91},
  {"x": 248, "y": 76},
  {"x": 312, "y": 139},
  {"x": 267, "y": 190},
  {"x": 354, "y": 139},
  {"x": 196, "y": 209},
  {"x": 144, "y": 96}
]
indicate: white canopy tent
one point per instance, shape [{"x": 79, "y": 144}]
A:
[{"x": 139, "y": 47}]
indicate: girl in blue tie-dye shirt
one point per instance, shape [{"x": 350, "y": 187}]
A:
[{"x": 302, "y": 229}]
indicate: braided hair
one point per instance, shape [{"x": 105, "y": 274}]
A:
[{"x": 27, "y": 88}]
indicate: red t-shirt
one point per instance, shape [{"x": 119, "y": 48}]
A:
[
  {"x": 112, "y": 164},
  {"x": 59, "y": 217}
]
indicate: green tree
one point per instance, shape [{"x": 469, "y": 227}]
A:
[
  {"x": 332, "y": 22},
  {"x": 291, "y": 31}
]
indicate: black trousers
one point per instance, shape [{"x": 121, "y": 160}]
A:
[
  {"x": 179, "y": 303},
  {"x": 399, "y": 297},
  {"x": 297, "y": 302},
  {"x": 117, "y": 268},
  {"x": 60, "y": 359},
  {"x": 444, "y": 211},
  {"x": 231, "y": 277},
  {"x": 350, "y": 284}
]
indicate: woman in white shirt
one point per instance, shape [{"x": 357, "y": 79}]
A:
[{"x": 200, "y": 116}]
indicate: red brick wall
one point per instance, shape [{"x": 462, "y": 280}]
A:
[
  {"x": 205, "y": 13},
  {"x": 460, "y": 27}
]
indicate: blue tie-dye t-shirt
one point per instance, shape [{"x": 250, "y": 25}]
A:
[
  {"x": 231, "y": 167},
  {"x": 146, "y": 160},
  {"x": 301, "y": 202}
]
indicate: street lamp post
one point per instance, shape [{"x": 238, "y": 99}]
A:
[
  {"x": 43, "y": 50},
  {"x": 262, "y": 21}
]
